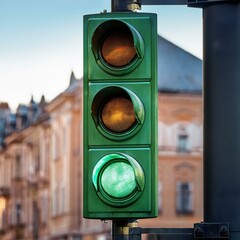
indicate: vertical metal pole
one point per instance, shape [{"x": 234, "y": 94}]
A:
[
  {"x": 120, "y": 229},
  {"x": 221, "y": 70},
  {"x": 119, "y": 5},
  {"x": 124, "y": 5}
]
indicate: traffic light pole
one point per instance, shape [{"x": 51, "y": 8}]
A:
[
  {"x": 124, "y": 5},
  {"x": 121, "y": 229},
  {"x": 221, "y": 71}
]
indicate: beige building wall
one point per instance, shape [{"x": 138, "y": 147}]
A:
[
  {"x": 65, "y": 164},
  {"x": 180, "y": 161},
  {"x": 26, "y": 176}
]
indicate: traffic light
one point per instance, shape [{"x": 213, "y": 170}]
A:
[{"x": 120, "y": 116}]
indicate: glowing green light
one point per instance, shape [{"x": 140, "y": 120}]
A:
[{"x": 118, "y": 180}]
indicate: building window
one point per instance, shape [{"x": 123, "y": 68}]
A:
[
  {"x": 45, "y": 157},
  {"x": 18, "y": 166},
  {"x": 35, "y": 218},
  {"x": 4, "y": 219},
  {"x": 183, "y": 139},
  {"x": 184, "y": 198},
  {"x": 182, "y": 143},
  {"x": 18, "y": 213},
  {"x": 44, "y": 208},
  {"x": 56, "y": 146},
  {"x": 64, "y": 140},
  {"x": 62, "y": 198},
  {"x": 55, "y": 202}
]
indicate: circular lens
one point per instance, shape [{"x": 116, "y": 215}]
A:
[
  {"x": 118, "y": 49},
  {"x": 118, "y": 114},
  {"x": 118, "y": 180}
]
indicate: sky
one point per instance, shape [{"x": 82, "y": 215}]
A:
[{"x": 41, "y": 42}]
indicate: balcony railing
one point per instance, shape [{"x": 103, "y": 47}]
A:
[
  {"x": 17, "y": 222},
  {"x": 4, "y": 191}
]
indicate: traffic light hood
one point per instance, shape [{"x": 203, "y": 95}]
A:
[
  {"x": 131, "y": 114},
  {"x": 118, "y": 179},
  {"x": 117, "y": 46}
]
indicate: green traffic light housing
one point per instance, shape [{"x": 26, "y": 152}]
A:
[
  {"x": 120, "y": 152},
  {"x": 118, "y": 179},
  {"x": 117, "y": 46},
  {"x": 118, "y": 112}
]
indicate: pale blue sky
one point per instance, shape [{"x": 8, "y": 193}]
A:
[{"x": 41, "y": 42}]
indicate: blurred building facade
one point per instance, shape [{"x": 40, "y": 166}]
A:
[
  {"x": 41, "y": 158},
  {"x": 180, "y": 127}
]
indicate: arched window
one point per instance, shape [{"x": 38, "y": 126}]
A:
[
  {"x": 183, "y": 139},
  {"x": 184, "y": 198}
]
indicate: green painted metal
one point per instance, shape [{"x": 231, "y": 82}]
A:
[{"x": 120, "y": 167}]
